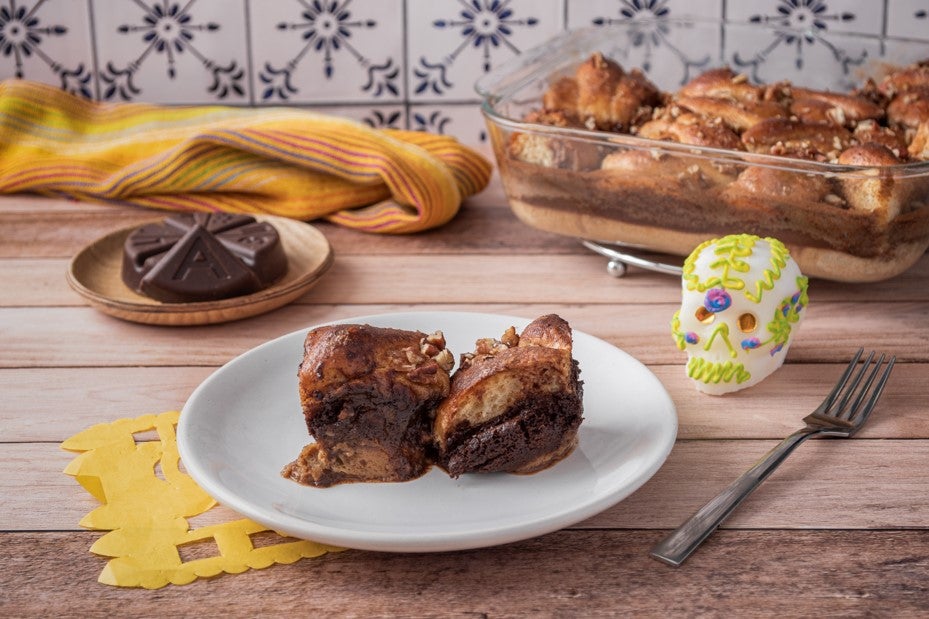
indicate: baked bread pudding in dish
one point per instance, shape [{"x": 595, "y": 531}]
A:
[
  {"x": 369, "y": 396},
  {"x": 515, "y": 403},
  {"x": 604, "y": 154}
]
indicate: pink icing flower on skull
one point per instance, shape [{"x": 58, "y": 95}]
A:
[{"x": 717, "y": 300}]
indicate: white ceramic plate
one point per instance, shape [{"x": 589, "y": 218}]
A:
[{"x": 244, "y": 423}]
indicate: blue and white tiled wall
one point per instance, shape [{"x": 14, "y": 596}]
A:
[{"x": 390, "y": 63}]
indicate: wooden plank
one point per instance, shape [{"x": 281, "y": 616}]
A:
[
  {"x": 525, "y": 278},
  {"x": 825, "y": 484},
  {"x": 11, "y": 204},
  {"x": 565, "y": 574},
  {"x": 49, "y": 405},
  {"x": 373, "y": 279},
  {"x": 773, "y": 409},
  {"x": 75, "y": 398},
  {"x": 483, "y": 225},
  {"x": 79, "y": 336},
  {"x": 36, "y": 282},
  {"x": 60, "y": 232}
]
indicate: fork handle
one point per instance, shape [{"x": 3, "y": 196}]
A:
[{"x": 675, "y": 548}]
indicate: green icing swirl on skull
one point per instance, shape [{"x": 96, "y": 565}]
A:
[{"x": 729, "y": 266}]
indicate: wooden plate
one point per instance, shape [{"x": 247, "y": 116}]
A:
[{"x": 94, "y": 273}]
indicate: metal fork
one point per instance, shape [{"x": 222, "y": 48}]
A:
[{"x": 841, "y": 414}]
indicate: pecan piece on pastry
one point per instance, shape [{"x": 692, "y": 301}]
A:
[
  {"x": 870, "y": 131},
  {"x": 903, "y": 80},
  {"x": 692, "y": 129},
  {"x": 740, "y": 115},
  {"x": 821, "y": 106},
  {"x": 909, "y": 108},
  {"x": 778, "y": 134}
]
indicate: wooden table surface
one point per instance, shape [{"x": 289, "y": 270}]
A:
[{"x": 841, "y": 528}]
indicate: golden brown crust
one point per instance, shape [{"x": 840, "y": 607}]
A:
[
  {"x": 722, "y": 83},
  {"x": 779, "y": 118},
  {"x": 607, "y": 98},
  {"x": 905, "y": 79},
  {"x": 856, "y": 211},
  {"x": 868, "y": 154},
  {"x": 528, "y": 363},
  {"x": 550, "y": 331},
  {"x": 820, "y": 106},
  {"x": 779, "y": 184},
  {"x": 870, "y": 131},
  {"x": 554, "y": 117},
  {"x": 822, "y": 141},
  {"x": 339, "y": 354},
  {"x": 919, "y": 147},
  {"x": 816, "y": 111},
  {"x": 909, "y": 108},
  {"x": 872, "y": 191},
  {"x": 562, "y": 95},
  {"x": 544, "y": 344},
  {"x": 739, "y": 115},
  {"x": 692, "y": 129},
  {"x": 368, "y": 396}
]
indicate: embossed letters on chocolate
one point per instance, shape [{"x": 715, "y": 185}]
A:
[{"x": 202, "y": 257}]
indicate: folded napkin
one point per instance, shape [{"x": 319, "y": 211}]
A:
[
  {"x": 147, "y": 502},
  {"x": 279, "y": 161}
]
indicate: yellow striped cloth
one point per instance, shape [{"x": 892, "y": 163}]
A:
[{"x": 279, "y": 161}]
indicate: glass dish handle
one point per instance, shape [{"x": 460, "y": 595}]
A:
[{"x": 620, "y": 260}]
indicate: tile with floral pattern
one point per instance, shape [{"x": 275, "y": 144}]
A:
[
  {"x": 312, "y": 51},
  {"x": 47, "y": 41},
  {"x": 454, "y": 42},
  {"x": 162, "y": 51}
]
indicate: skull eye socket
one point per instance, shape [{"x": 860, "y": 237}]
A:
[
  {"x": 747, "y": 323},
  {"x": 704, "y": 315}
]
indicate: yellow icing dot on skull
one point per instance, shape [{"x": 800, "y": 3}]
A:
[{"x": 742, "y": 299}]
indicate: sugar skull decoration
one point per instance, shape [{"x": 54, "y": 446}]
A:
[{"x": 743, "y": 298}]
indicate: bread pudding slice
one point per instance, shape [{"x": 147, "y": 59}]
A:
[
  {"x": 515, "y": 404},
  {"x": 369, "y": 396}
]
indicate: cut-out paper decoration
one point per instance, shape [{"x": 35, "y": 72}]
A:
[{"x": 146, "y": 503}]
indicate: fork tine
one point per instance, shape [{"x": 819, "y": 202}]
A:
[
  {"x": 861, "y": 416},
  {"x": 830, "y": 399},
  {"x": 855, "y": 406},
  {"x": 842, "y": 410}
]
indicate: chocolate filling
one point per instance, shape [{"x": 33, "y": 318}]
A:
[
  {"x": 533, "y": 428},
  {"x": 396, "y": 423}
]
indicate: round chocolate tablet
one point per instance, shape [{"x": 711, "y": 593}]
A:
[{"x": 193, "y": 257}]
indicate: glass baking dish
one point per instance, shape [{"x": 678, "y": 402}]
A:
[{"x": 853, "y": 223}]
